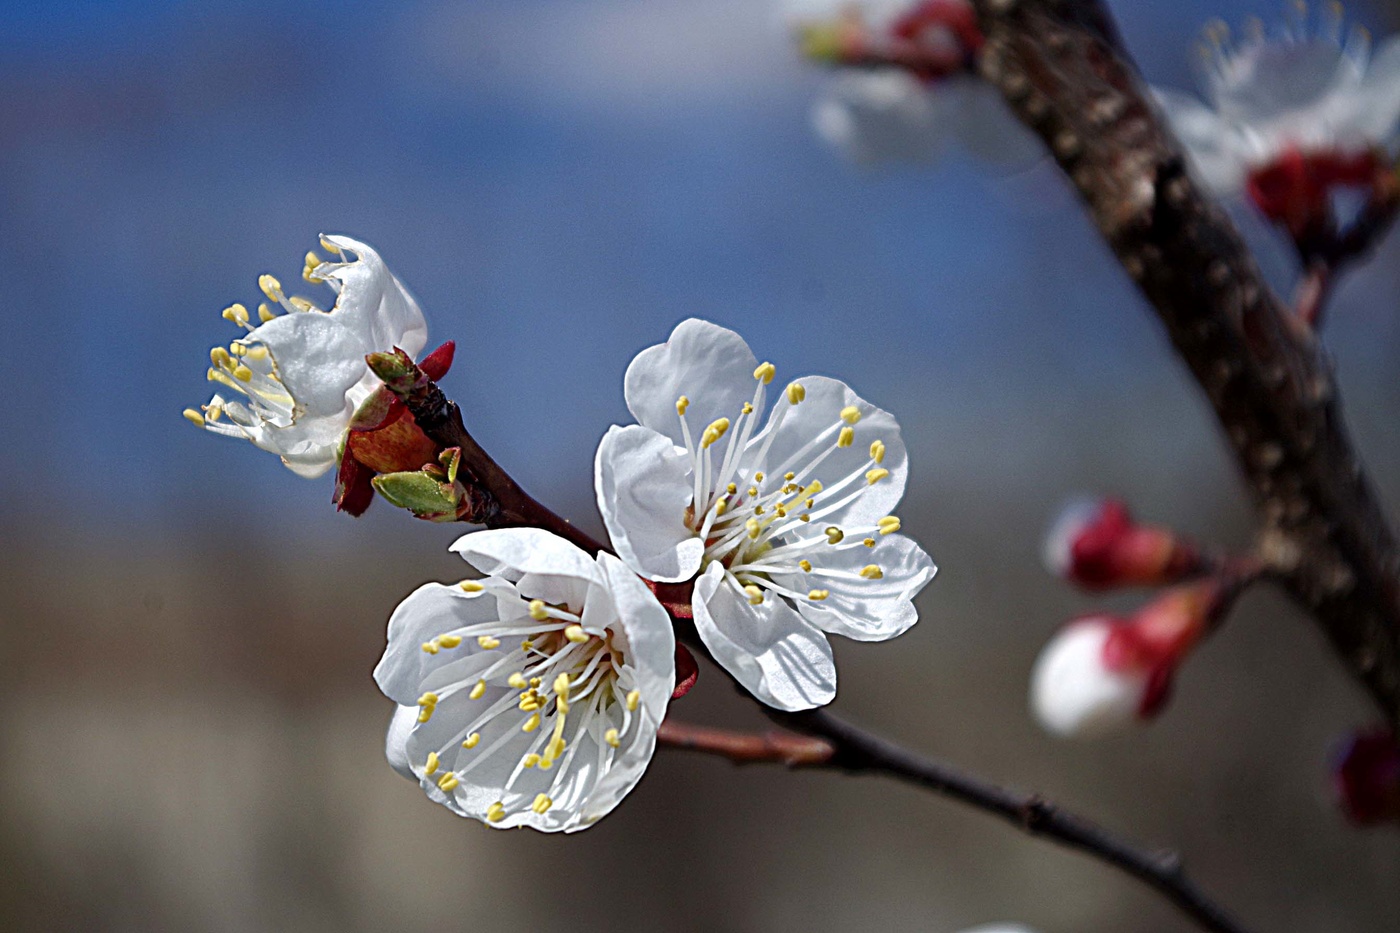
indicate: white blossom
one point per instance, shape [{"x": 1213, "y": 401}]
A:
[
  {"x": 1303, "y": 88},
  {"x": 530, "y": 697},
  {"x": 1075, "y": 689},
  {"x": 787, "y": 522},
  {"x": 300, "y": 376}
]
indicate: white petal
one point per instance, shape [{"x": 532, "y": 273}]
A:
[
  {"x": 883, "y": 116},
  {"x": 373, "y": 303},
  {"x": 1370, "y": 113},
  {"x": 649, "y": 639},
  {"x": 513, "y": 552},
  {"x": 644, "y": 484},
  {"x": 709, "y": 364},
  {"x": 1216, "y": 154},
  {"x": 772, "y": 651},
  {"x": 866, "y": 610},
  {"x": 396, "y": 740},
  {"x": 432, "y": 609},
  {"x": 825, "y": 400},
  {"x": 1074, "y": 694}
]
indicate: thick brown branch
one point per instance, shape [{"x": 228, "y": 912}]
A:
[{"x": 1061, "y": 67}]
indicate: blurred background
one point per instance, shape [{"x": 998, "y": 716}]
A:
[{"x": 189, "y": 735}]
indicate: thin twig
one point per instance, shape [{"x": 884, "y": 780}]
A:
[{"x": 747, "y": 747}]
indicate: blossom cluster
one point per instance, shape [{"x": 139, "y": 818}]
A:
[{"x": 532, "y": 694}]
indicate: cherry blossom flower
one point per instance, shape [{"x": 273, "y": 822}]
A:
[
  {"x": 295, "y": 381},
  {"x": 912, "y": 91},
  {"x": 1291, "y": 116},
  {"x": 787, "y": 522},
  {"x": 530, "y": 697}
]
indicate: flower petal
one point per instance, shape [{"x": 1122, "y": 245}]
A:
[
  {"x": 513, "y": 552},
  {"x": 373, "y": 302},
  {"x": 883, "y": 116},
  {"x": 644, "y": 484},
  {"x": 650, "y": 640},
  {"x": 1211, "y": 142},
  {"x": 863, "y": 609},
  {"x": 396, "y": 740},
  {"x": 772, "y": 651},
  {"x": 709, "y": 364}
]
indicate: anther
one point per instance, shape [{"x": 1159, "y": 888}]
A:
[
  {"x": 877, "y": 451},
  {"x": 682, "y": 404},
  {"x": 270, "y": 287},
  {"x": 329, "y": 247},
  {"x": 561, "y": 685},
  {"x": 611, "y": 738},
  {"x": 193, "y": 417},
  {"x": 576, "y": 634},
  {"x": 496, "y": 812},
  {"x": 530, "y": 760},
  {"x": 527, "y": 645},
  {"x": 754, "y": 594},
  {"x": 758, "y": 477},
  {"x": 478, "y": 691},
  {"x": 431, "y": 767},
  {"x": 537, "y": 610},
  {"x": 220, "y": 358},
  {"x": 308, "y": 273},
  {"x": 265, "y": 313},
  {"x": 242, "y": 373},
  {"x": 431, "y": 647},
  {"x": 449, "y": 641},
  {"x": 747, "y": 409},
  {"x": 872, "y": 572},
  {"x": 542, "y": 804},
  {"x": 302, "y": 304},
  {"x": 754, "y": 530},
  {"x": 850, "y": 414},
  {"x": 806, "y": 566},
  {"x": 888, "y": 525},
  {"x": 471, "y": 586},
  {"x": 732, "y": 488},
  {"x": 765, "y": 373},
  {"x": 795, "y": 393},
  {"x": 874, "y": 476},
  {"x": 518, "y": 681},
  {"x": 869, "y": 542},
  {"x": 236, "y": 313},
  {"x": 448, "y": 782},
  {"x": 531, "y": 724},
  {"x": 472, "y": 740},
  {"x": 818, "y": 595},
  {"x": 487, "y": 642},
  {"x": 714, "y": 432},
  {"x": 847, "y": 437},
  {"x": 834, "y": 535},
  {"x": 633, "y": 698}
]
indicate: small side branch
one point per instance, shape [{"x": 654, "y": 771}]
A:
[{"x": 747, "y": 747}]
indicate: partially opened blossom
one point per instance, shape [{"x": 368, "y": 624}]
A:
[
  {"x": 909, "y": 91},
  {"x": 293, "y": 383},
  {"x": 530, "y": 697},
  {"x": 1290, "y": 116},
  {"x": 786, "y": 516}
]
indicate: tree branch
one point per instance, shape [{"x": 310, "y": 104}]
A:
[
  {"x": 746, "y": 747},
  {"x": 1062, "y": 68}
]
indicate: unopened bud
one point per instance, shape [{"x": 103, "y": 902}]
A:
[
  {"x": 1367, "y": 778},
  {"x": 1095, "y": 544},
  {"x": 421, "y": 494},
  {"x": 1102, "y": 674}
]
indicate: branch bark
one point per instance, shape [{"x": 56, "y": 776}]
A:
[{"x": 1064, "y": 71}]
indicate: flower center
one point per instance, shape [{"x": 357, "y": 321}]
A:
[
  {"x": 549, "y": 691},
  {"x": 759, "y": 519}
]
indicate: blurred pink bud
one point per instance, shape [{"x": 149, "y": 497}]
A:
[
  {"x": 1295, "y": 189},
  {"x": 1367, "y": 778},
  {"x": 1095, "y": 544},
  {"x": 1101, "y": 674}
]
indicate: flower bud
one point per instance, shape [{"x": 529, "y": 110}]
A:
[
  {"x": 1294, "y": 189},
  {"x": 422, "y": 494},
  {"x": 1367, "y": 778},
  {"x": 1095, "y": 544},
  {"x": 1101, "y": 674}
]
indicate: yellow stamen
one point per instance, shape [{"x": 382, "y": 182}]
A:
[
  {"x": 795, "y": 393},
  {"x": 220, "y": 358},
  {"x": 193, "y": 417},
  {"x": 265, "y": 313},
  {"x": 888, "y": 525},
  {"x": 487, "y": 642},
  {"x": 472, "y": 740},
  {"x": 242, "y": 373},
  {"x": 236, "y": 313},
  {"x": 237, "y": 349},
  {"x": 530, "y": 760},
  {"x": 765, "y": 373},
  {"x": 478, "y": 691},
  {"x": 818, "y": 595},
  {"x": 732, "y": 488},
  {"x": 330, "y": 247},
  {"x": 869, "y": 542},
  {"x": 213, "y": 412},
  {"x": 270, "y": 287},
  {"x": 449, "y": 641},
  {"x": 850, "y": 414},
  {"x": 312, "y": 261},
  {"x": 877, "y": 451},
  {"x": 471, "y": 586},
  {"x": 611, "y": 737},
  {"x": 448, "y": 782},
  {"x": 755, "y": 595},
  {"x": 576, "y": 634},
  {"x": 714, "y": 432},
  {"x": 753, "y": 491},
  {"x": 431, "y": 767},
  {"x": 536, "y": 681},
  {"x": 518, "y": 681},
  {"x": 806, "y": 566},
  {"x": 531, "y": 724},
  {"x": 720, "y": 507},
  {"x": 747, "y": 409},
  {"x": 633, "y": 699},
  {"x": 527, "y": 645},
  {"x": 758, "y": 477},
  {"x": 872, "y": 572},
  {"x": 302, "y": 304},
  {"x": 542, "y": 804},
  {"x": 846, "y": 438},
  {"x": 496, "y": 812},
  {"x": 834, "y": 535},
  {"x": 682, "y": 404},
  {"x": 537, "y": 610},
  {"x": 874, "y": 476},
  {"x": 789, "y": 476},
  {"x": 753, "y": 529},
  {"x": 431, "y": 646},
  {"x": 561, "y": 685}
]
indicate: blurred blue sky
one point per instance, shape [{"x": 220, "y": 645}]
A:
[{"x": 559, "y": 182}]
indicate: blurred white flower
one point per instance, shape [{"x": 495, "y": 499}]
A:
[
  {"x": 1000, "y": 928},
  {"x": 531, "y": 697},
  {"x": 302, "y": 375},
  {"x": 788, "y": 525},
  {"x": 1303, "y": 90},
  {"x": 1075, "y": 688}
]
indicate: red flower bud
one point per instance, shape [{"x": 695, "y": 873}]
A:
[
  {"x": 1367, "y": 778},
  {"x": 1095, "y": 544},
  {"x": 1295, "y": 189}
]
